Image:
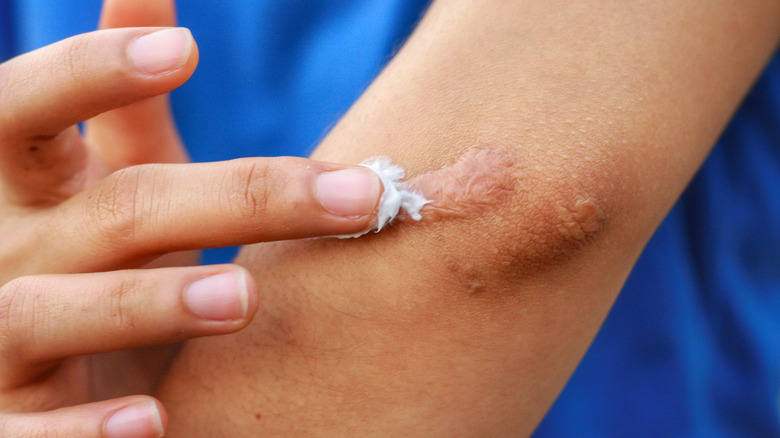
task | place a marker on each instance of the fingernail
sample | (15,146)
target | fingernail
(135,421)
(161,51)
(348,192)
(221,297)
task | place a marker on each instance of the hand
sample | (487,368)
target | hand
(70,205)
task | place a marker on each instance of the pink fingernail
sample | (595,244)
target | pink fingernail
(349,192)
(161,51)
(135,421)
(221,297)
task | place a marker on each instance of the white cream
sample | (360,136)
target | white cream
(394,196)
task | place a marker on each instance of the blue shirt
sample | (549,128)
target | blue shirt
(692,346)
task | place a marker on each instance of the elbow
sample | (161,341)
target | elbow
(500,215)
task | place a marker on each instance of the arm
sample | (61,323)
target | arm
(554,137)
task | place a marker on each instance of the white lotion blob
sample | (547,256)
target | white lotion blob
(395,196)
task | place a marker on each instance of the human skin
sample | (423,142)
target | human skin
(553,137)
(79,215)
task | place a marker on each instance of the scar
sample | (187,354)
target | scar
(480,179)
(579,221)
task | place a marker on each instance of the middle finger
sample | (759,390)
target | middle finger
(141,211)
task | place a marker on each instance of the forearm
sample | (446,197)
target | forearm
(553,138)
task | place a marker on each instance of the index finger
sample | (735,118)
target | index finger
(158,208)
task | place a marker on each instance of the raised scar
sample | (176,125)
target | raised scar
(479,180)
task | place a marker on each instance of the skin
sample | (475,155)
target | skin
(554,136)
(91,301)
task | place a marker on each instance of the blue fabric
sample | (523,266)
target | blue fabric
(692,346)
(7,40)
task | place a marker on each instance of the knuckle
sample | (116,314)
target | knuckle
(118,310)
(113,209)
(16,311)
(252,195)
(72,57)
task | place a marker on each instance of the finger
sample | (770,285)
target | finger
(132,13)
(153,209)
(129,417)
(89,74)
(50,317)
(45,92)
(142,132)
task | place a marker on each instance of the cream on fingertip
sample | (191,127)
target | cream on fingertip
(395,195)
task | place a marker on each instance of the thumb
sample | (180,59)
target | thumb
(143,132)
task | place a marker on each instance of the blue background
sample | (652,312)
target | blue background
(692,346)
